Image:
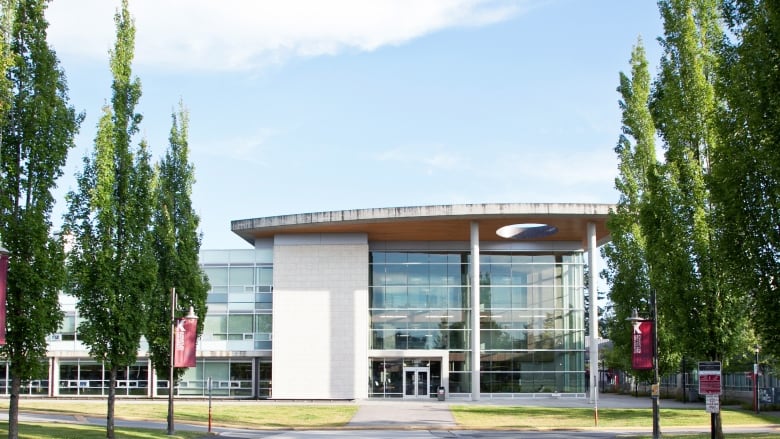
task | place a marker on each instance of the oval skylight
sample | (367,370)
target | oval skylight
(526,231)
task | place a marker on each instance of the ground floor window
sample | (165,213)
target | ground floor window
(264,378)
(35,387)
(228,377)
(88,378)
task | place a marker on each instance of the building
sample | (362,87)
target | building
(378,303)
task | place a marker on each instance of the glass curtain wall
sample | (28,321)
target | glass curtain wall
(240,304)
(532,323)
(531,318)
(229,378)
(90,378)
(37,387)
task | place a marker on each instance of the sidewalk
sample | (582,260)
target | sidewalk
(375,413)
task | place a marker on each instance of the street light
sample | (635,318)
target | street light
(655,391)
(755,383)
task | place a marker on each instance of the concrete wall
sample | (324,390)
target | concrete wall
(320,323)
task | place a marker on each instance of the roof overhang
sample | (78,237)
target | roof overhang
(436,223)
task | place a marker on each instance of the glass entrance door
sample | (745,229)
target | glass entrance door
(417,381)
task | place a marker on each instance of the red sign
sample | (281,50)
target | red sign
(3,281)
(642,345)
(184,342)
(709,378)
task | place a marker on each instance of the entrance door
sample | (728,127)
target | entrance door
(417,381)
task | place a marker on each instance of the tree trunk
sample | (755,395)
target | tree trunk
(111,400)
(718,427)
(13,408)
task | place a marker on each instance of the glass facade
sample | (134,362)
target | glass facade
(531,330)
(228,377)
(240,300)
(532,337)
(88,378)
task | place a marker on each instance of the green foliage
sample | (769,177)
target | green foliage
(627,270)
(112,267)
(36,133)
(671,233)
(176,245)
(695,298)
(746,166)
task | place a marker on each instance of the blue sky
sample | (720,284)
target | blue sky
(302,106)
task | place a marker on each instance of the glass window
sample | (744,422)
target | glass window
(240,323)
(395,274)
(417,274)
(217,275)
(265,276)
(263,323)
(215,324)
(241,276)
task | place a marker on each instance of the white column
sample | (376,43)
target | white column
(594,314)
(475,312)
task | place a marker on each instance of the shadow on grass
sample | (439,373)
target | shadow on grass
(76,431)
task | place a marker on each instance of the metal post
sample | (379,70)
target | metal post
(756,400)
(685,380)
(656,379)
(209,404)
(171,371)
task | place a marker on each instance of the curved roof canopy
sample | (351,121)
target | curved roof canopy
(439,223)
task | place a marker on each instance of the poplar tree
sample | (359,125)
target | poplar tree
(36,133)
(112,267)
(176,246)
(696,300)
(627,270)
(746,172)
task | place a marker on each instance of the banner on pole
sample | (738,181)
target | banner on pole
(184,343)
(3,282)
(642,345)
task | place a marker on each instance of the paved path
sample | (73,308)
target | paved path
(389,413)
(383,413)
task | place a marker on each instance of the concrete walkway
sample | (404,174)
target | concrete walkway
(402,414)
(434,414)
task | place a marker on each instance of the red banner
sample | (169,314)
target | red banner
(3,279)
(642,343)
(184,343)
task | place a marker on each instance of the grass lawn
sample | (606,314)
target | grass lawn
(224,413)
(68,431)
(477,417)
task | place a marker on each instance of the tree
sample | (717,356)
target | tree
(7,12)
(627,270)
(112,268)
(176,246)
(696,299)
(37,133)
(746,169)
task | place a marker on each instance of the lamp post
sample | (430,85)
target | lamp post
(171,372)
(655,391)
(755,383)
(4,254)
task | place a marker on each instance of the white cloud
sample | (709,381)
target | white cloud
(432,158)
(251,148)
(228,35)
(564,168)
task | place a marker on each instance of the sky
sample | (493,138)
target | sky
(302,106)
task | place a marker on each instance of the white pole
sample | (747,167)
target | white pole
(475,312)
(594,315)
